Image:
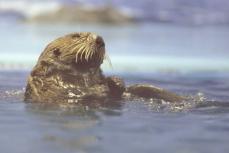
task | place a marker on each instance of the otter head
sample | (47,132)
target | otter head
(79,50)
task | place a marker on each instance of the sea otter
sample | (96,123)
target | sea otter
(68,70)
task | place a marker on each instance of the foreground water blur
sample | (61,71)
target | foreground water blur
(130,126)
(186,60)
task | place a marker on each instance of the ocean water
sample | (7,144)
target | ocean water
(156,47)
(190,61)
(195,12)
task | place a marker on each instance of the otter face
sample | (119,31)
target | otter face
(79,49)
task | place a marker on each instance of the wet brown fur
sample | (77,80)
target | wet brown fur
(68,70)
(69,67)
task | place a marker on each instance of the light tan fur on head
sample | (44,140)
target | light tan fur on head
(78,47)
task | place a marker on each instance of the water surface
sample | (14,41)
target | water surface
(187,60)
(130,126)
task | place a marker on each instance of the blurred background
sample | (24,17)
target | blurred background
(140,35)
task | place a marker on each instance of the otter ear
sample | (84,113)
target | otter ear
(75,35)
(56,52)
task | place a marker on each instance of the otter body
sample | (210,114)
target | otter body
(68,70)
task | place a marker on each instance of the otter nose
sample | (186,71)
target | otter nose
(99,41)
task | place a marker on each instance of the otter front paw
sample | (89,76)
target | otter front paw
(116,86)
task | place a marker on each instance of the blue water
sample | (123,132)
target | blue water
(156,47)
(190,61)
(130,126)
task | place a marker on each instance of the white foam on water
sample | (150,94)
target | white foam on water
(29,8)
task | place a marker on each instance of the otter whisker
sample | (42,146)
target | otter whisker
(76,46)
(80,46)
(90,45)
(107,58)
(82,53)
(87,52)
(75,43)
(79,52)
(76,58)
(73,49)
(77,55)
(91,53)
(84,48)
(70,46)
(101,56)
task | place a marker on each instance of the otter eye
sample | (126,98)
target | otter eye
(56,52)
(76,35)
